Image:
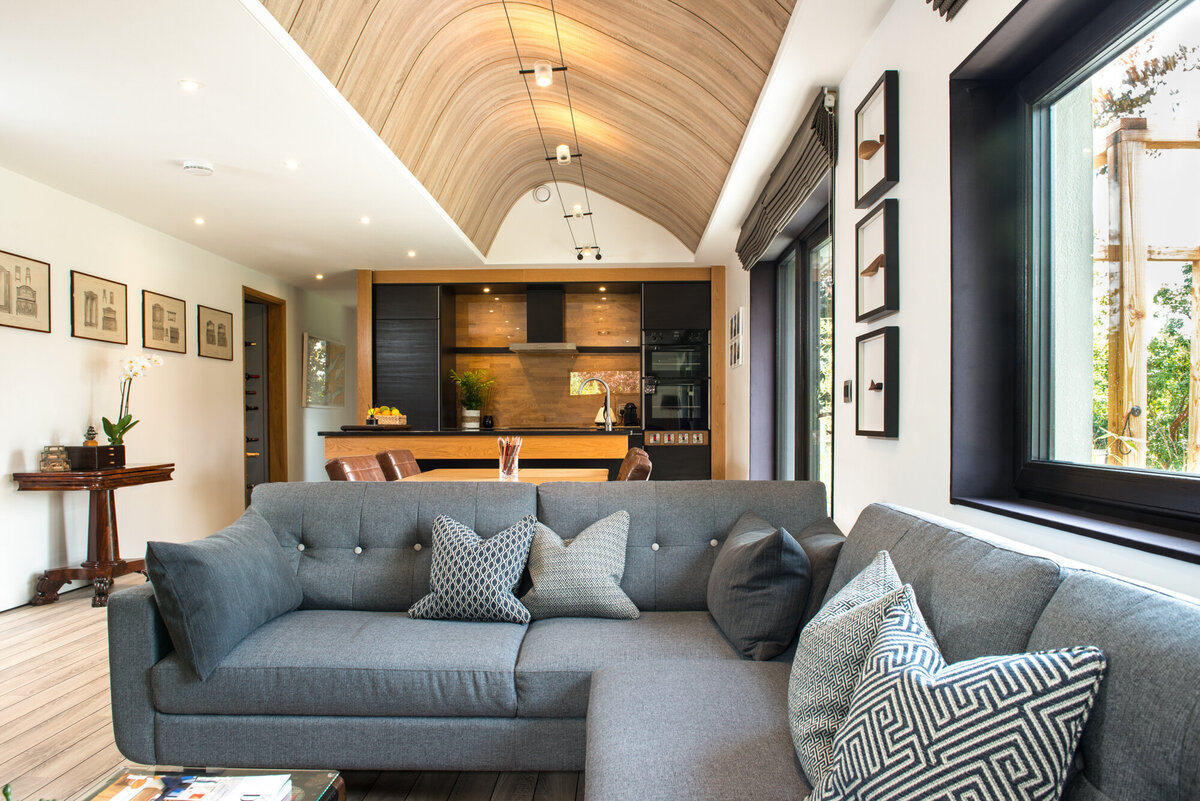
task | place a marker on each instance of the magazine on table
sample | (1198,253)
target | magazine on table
(191,787)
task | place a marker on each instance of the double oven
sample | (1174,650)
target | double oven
(675,380)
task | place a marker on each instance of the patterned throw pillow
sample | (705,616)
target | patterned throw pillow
(997,727)
(830,655)
(473,578)
(580,577)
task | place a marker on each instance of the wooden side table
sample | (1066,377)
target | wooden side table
(104,562)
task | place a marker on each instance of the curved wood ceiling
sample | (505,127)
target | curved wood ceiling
(662,91)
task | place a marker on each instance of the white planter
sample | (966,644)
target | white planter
(470,419)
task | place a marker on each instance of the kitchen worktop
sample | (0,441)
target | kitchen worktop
(521,431)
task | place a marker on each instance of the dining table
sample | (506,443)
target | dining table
(530,475)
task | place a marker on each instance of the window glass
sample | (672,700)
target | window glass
(1118,383)
(820,364)
(785,368)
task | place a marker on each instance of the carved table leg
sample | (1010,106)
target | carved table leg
(47,590)
(102,585)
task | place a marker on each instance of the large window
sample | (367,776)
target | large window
(1075,162)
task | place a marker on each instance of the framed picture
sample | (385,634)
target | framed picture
(877,274)
(163,323)
(877,413)
(876,141)
(214,333)
(99,309)
(324,372)
(24,293)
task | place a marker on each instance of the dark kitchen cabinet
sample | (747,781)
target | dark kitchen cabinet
(407,352)
(676,304)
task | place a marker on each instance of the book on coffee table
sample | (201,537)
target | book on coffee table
(132,784)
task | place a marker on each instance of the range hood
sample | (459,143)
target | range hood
(545,310)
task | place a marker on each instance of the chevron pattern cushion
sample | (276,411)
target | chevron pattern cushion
(829,658)
(580,577)
(473,578)
(996,727)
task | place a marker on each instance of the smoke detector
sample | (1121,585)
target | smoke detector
(541,193)
(195,167)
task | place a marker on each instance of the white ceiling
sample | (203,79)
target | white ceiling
(90,104)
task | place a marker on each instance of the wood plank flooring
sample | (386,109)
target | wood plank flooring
(56,737)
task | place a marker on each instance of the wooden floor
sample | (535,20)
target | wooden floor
(56,737)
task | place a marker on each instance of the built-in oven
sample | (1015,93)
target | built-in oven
(674,405)
(676,355)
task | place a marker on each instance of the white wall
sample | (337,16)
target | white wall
(190,408)
(737,379)
(915,469)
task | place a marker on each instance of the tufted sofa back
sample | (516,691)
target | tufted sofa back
(366,545)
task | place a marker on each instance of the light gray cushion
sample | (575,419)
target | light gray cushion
(559,655)
(473,578)
(702,731)
(353,663)
(830,656)
(580,577)
(996,727)
(213,592)
(758,587)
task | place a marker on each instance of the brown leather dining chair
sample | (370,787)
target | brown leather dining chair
(354,468)
(636,466)
(397,464)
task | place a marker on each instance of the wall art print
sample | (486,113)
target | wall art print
(214,333)
(24,293)
(99,309)
(163,323)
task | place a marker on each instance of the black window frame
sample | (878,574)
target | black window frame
(996,120)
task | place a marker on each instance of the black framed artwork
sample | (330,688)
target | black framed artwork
(877,141)
(99,309)
(877,262)
(214,333)
(24,293)
(163,324)
(877,411)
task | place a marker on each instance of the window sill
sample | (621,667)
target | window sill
(1153,539)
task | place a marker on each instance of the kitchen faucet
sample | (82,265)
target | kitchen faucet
(607,399)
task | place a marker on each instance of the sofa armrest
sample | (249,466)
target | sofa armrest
(137,641)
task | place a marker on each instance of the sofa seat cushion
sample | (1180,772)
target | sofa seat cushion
(698,730)
(560,654)
(341,662)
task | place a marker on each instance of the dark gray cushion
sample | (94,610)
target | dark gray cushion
(996,727)
(353,663)
(213,592)
(703,731)
(822,542)
(758,587)
(559,655)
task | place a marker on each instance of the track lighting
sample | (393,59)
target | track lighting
(543,73)
(563,154)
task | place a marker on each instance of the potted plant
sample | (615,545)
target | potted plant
(473,386)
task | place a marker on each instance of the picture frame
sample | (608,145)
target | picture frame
(876,141)
(214,333)
(164,322)
(877,262)
(324,372)
(877,372)
(99,309)
(24,293)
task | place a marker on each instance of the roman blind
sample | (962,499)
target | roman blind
(805,162)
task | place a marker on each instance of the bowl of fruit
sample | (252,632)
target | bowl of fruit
(385,416)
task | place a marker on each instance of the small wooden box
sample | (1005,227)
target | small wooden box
(95,457)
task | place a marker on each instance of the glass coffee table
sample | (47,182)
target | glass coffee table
(145,784)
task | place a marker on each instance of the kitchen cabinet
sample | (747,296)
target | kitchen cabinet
(676,304)
(407,352)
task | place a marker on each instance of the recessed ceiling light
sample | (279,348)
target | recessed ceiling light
(601,289)
(412,253)
(319,276)
(292,164)
(603,298)
(198,167)
(487,289)
(189,85)
(199,221)
(364,220)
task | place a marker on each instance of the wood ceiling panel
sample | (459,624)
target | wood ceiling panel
(662,93)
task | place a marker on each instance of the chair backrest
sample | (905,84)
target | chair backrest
(397,464)
(636,466)
(354,468)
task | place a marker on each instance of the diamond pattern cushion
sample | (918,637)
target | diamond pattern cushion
(472,578)
(829,658)
(580,577)
(996,727)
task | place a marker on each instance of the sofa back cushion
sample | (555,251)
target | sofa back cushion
(1143,738)
(673,525)
(979,596)
(367,545)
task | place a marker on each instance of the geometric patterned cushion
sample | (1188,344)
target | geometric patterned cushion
(829,659)
(580,577)
(996,727)
(472,578)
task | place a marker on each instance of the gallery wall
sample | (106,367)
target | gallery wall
(190,409)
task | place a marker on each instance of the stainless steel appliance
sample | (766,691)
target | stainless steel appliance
(675,380)
(676,354)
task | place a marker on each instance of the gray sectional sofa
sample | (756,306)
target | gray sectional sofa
(660,707)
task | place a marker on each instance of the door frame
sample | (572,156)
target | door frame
(277,428)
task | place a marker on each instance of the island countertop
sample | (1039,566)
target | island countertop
(373,431)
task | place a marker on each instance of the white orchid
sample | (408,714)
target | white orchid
(132,368)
